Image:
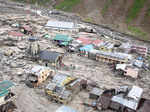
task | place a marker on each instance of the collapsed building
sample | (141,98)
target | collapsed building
(63,87)
(38,74)
(127,70)
(6,95)
(124,99)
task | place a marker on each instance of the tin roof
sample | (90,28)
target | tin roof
(60,24)
(62,79)
(132,104)
(135,93)
(65,109)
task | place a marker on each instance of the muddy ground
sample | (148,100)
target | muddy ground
(15,67)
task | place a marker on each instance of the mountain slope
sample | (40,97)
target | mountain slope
(131,16)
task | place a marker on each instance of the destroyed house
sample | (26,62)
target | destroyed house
(109,57)
(58,93)
(50,58)
(124,99)
(5,91)
(65,109)
(62,79)
(39,74)
(128,70)
(62,40)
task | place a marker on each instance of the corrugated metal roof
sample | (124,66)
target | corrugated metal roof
(117,55)
(132,104)
(60,24)
(135,93)
(65,109)
(61,79)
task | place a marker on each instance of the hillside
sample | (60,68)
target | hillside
(128,16)
(131,16)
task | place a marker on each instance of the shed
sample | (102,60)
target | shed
(65,109)
(51,58)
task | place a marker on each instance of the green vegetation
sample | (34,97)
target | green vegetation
(148,12)
(67,5)
(107,4)
(135,9)
(88,19)
(138,32)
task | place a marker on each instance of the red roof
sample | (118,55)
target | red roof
(97,42)
(85,40)
(16,34)
(26,27)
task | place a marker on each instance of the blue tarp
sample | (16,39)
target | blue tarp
(65,109)
(4,86)
(87,48)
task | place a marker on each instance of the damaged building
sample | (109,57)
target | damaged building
(38,74)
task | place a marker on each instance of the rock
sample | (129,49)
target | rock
(13,65)
(9,52)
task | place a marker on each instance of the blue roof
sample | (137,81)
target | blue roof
(4,86)
(65,109)
(87,48)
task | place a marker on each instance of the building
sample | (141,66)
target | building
(128,70)
(14,35)
(50,58)
(38,74)
(62,40)
(124,99)
(109,57)
(142,50)
(61,25)
(6,93)
(65,109)
(85,49)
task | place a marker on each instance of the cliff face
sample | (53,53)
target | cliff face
(132,16)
